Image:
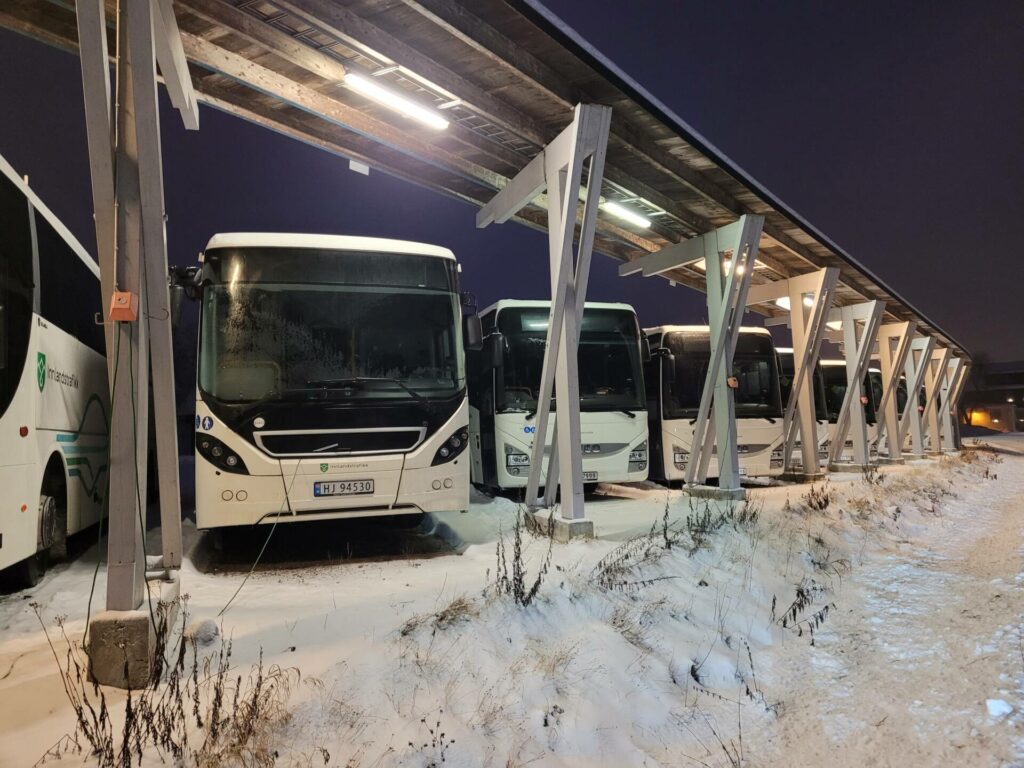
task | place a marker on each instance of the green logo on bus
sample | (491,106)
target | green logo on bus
(323,467)
(41,370)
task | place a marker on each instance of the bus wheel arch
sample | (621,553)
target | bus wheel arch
(53,509)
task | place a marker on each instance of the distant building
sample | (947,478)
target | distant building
(994,397)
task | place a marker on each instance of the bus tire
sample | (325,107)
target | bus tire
(53,511)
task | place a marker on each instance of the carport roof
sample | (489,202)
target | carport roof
(506,74)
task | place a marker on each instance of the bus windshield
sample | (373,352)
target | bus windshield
(610,372)
(754,366)
(287,324)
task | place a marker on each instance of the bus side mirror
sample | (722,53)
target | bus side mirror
(183,282)
(495,350)
(474,333)
(645,348)
(177,296)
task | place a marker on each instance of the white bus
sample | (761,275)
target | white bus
(331,380)
(787,370)
(680,355)
(54,398)
(504,384)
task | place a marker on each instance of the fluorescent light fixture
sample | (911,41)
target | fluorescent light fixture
(624,213)
(392,100)
(785,303)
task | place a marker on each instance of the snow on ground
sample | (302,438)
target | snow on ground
(682,656)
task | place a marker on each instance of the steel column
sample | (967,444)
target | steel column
(559,167)
(934,380)
(126,561)
(807,326)
(954,371)
(910,422)
(857,351)
(894,341)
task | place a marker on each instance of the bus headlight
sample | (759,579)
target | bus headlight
(451,447)
(638,458)
(218,454)
(680,457)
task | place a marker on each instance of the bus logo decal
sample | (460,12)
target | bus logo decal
(207,423)
(323,467)
(529,430)
(41,370)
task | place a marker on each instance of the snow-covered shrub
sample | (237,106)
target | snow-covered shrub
(196,709)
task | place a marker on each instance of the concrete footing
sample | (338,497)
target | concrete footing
(850,467)
(565,530)
(122,644)
(121,648)
(887,461)
(913,456)
(714,492)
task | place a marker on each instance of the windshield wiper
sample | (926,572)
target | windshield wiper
(358,381)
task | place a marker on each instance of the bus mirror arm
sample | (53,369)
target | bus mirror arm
(645,348)
(183,282)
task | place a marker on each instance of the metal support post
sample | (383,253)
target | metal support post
(894,341)
(954,372)
(559,168)
(158,317)
(126,561)
(954,402)
(810,297)
(127,184)
(934,381)
(728,281)
(910,422)
(857,350)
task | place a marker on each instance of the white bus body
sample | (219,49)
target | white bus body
(331,380)
(505,377)
(675,380)
(54,398)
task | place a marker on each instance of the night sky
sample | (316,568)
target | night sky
(896,128)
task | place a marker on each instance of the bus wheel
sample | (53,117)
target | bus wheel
(53,511)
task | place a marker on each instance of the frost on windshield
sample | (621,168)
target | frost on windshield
(261,340)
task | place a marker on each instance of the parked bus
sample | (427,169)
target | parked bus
(504,384)
(331,380)
(54,397)
(834,372)
(675,379)
(787,370)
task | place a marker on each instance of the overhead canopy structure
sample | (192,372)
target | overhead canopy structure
(505,75)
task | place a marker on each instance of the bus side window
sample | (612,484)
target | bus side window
(69,292)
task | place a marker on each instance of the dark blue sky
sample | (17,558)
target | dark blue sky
(893,127)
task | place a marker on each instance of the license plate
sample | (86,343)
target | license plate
(743,471)
(342,488)
(590,477)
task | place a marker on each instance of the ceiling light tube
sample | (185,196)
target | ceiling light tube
(392,100)
(624,213)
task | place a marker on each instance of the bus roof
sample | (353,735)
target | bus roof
(701,329)
(325,243)
(541,304)
(57,224)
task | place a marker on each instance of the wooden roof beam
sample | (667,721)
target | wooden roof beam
(340,22)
